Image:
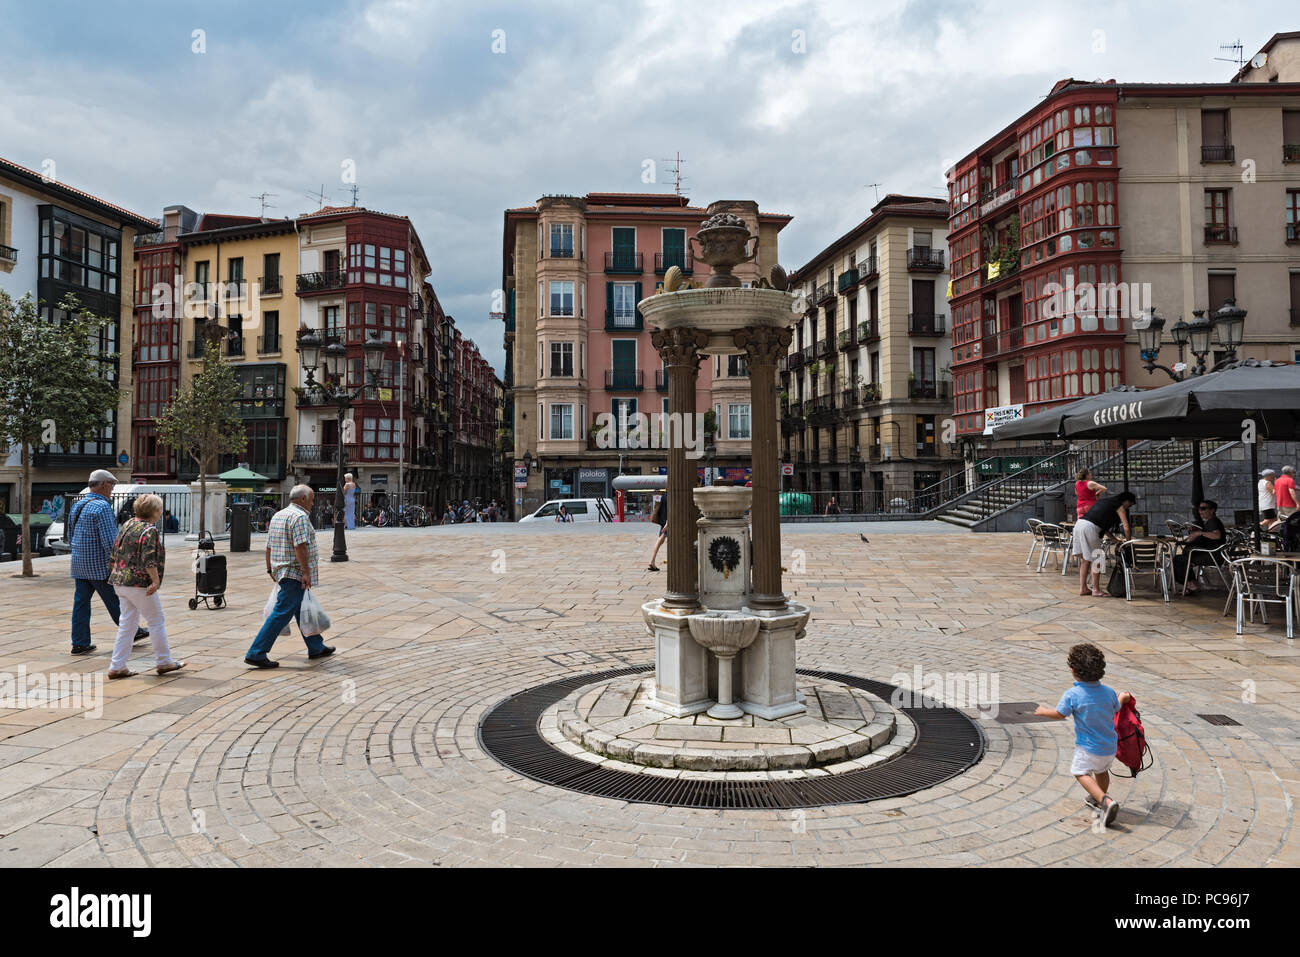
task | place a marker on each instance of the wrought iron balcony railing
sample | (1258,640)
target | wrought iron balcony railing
(619,322)
(322,281)
(661,381)
(925,323)
(867,331)
(824,292)
(267,344)
(1219,233)
(869,268)
(1291,152)
(235,346)
(624,380)
(927,389)
(845,339)
(682,260)
(621,262)
(270,286)
(923,257)
(10,254)
(1220,153)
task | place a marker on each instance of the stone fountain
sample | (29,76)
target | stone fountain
(724,632)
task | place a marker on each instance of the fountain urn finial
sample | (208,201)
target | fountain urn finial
(723,241)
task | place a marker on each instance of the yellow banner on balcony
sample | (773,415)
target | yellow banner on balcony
(995,270)
(385,395)
(949,288)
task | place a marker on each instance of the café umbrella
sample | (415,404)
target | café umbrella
(1050,423)
(1248,401)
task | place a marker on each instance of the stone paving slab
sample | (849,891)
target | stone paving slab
(370,758)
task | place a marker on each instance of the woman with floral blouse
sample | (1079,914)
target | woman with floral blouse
(136,572)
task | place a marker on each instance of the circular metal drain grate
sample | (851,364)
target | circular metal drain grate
(947,743)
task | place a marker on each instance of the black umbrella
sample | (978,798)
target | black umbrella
(1050,424)
(1247,401)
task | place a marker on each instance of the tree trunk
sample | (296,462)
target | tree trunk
(26,533)
(203,497)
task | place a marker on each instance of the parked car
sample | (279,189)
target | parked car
(579,509)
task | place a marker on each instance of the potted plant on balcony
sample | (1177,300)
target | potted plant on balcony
(710,424)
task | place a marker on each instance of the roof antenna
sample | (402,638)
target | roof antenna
(675,167)
(319,196)
(265,204)
(354,189)
(876,187)
(1239,59)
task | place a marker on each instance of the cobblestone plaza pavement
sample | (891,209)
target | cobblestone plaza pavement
(371,757)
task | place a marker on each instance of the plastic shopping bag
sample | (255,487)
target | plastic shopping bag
(311,616)
(270,607)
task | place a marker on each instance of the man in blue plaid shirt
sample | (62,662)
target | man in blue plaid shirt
(93,530)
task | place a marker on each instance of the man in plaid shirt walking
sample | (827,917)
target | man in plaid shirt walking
(93,529)
(291,560)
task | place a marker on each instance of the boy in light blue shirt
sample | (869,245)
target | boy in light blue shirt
(1094,706)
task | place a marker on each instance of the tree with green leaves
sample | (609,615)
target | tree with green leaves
(53,385)
(203,421)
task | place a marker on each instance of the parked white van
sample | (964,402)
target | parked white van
(579,509)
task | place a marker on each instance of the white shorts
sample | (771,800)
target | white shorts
(1085,762)
(1086,543)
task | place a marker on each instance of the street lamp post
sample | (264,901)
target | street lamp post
(1227,327)
(333,390)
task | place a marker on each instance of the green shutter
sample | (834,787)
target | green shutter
(609,301)
(638,299)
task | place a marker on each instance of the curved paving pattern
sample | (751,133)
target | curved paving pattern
(371,757)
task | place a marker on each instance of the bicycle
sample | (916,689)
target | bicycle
(414,516)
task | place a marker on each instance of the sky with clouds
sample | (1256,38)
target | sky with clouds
(798,105)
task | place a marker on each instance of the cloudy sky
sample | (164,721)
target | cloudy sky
(454,111)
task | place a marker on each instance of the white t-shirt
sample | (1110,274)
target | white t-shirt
(1266,497)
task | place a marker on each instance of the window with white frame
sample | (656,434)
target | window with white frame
(562,240)
(738,421)
(561,298)
(625,304)
(562,359)
(561,420)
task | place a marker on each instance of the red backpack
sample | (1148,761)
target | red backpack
(1132,750)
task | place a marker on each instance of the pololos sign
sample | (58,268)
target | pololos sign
(1122,412)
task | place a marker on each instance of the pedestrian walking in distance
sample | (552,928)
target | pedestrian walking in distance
(660,517)
(292,561)
(137,573)
(91,532)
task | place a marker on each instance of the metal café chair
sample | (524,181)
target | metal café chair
(1055,540)
(1141,556)
(1034,524)
(1181,529)
(1262,582)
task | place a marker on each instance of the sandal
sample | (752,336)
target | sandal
(652,568)
(128,673)
(168,669)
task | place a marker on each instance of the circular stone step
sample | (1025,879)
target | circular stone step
(844,729)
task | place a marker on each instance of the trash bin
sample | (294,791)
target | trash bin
(241,526)
(1054,507)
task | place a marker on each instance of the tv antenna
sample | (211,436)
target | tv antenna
(675,167)
(353,189)
(319,196)
(265,205)
(876,187)
(1239,59)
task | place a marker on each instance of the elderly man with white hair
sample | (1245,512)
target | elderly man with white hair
(91,530)
(291,560)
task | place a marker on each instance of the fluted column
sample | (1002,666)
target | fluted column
(763,346)
(680,350)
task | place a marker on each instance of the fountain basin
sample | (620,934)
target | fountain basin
(719,312)
(725,634)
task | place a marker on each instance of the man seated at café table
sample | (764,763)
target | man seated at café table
(1210,536)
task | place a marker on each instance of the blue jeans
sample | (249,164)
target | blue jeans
(287,605)
(81,608)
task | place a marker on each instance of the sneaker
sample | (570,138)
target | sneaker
(1111,812)
(83,650)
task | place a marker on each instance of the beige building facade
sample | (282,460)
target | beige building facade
(865,388)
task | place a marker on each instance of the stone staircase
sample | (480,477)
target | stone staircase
(1004,505)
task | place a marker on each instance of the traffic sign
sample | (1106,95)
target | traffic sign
(787,468)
